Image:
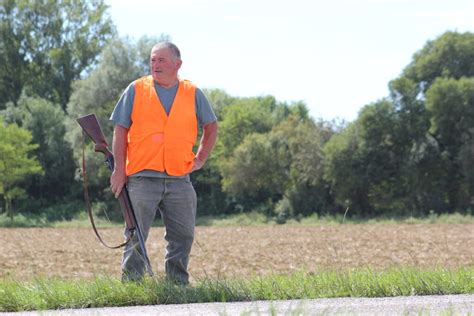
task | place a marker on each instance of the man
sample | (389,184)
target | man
(156,125)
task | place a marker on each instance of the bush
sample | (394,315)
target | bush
(65,211)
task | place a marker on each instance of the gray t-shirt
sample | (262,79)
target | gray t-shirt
(123,111)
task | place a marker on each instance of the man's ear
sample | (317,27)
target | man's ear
(179,62)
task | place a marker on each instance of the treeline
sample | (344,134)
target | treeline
(410,153)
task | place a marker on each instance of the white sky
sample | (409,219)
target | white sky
(335,55)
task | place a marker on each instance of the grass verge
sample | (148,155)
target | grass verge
(244,219)
(41,294)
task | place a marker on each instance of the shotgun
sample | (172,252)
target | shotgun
(91,127)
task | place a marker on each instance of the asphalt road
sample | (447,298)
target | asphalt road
(406,305)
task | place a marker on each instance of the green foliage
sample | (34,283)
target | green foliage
(451,105)
(46,45)
(436,88)
(302,141)
(243,117)
(238,118)
(15,163)
(411,153)
(251,169)
(376,167)
(285,163)
(53,216)
(46,122)
(345,169)
(450,55)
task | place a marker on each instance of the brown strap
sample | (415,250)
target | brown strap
(88,203)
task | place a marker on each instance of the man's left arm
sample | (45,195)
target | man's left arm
(208,140)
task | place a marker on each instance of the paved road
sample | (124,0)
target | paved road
(411,305)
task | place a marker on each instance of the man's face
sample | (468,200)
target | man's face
(164,66)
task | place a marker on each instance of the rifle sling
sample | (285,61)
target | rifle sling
(88,203)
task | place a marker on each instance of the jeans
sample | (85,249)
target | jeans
(176,200)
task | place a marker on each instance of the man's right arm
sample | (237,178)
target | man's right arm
(119,148)
(121,116)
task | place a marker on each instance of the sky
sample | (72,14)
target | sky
(334,55)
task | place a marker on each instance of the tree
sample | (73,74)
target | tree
(238,117)
(449,55)
(15,163)
(345,170)
(243,117)
(46,122)
(386,162)
(254,171)
(46,45)
(13,59)
(451,105)
(283,164)
(301,140)
(434,118)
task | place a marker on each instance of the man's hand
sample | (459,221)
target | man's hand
(119,144)
(208,140)
(117,182)
(198,164)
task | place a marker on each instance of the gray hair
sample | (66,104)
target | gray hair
(172,47)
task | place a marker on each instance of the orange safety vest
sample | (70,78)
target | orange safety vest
(157,141)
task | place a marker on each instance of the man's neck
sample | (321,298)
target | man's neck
(168,85)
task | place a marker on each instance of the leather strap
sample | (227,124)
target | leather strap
(88,202)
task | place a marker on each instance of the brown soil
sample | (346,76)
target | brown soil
(242,251)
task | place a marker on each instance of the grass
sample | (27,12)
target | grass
(79,221)
(243,219)
(43,294)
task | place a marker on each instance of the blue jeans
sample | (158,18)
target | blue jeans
(175,199)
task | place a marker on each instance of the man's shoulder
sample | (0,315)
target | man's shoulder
(142,80)
(188,84)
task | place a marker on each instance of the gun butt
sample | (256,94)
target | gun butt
(90,125)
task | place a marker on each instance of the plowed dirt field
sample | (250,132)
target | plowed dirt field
(242,251)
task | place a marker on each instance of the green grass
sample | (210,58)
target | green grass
(79,221)
(242,219)
(455,218)
(43,294)
(257,219)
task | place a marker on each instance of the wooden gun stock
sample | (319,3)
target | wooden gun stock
(91,127)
